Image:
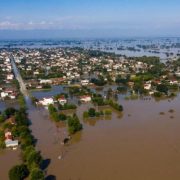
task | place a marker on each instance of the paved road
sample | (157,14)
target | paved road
(17,74)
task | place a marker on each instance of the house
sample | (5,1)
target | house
(8,135)
(85,98)
(9,142)
(46,101)
(45,81)
(13,96)
(147,86)
(177,74)
(4,94)
(173,82)
(84,82)
(62,100)
(10,77)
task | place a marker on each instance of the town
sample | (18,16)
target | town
(44,68)
(90,81)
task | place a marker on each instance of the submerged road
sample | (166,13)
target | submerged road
(17,74)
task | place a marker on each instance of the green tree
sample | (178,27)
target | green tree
(92,112)
(9,112)
(162,88)
(18,172)
(2,118)
(37,174)
(74,124)
(34,159)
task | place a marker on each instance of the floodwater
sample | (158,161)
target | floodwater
(7,104)
(140,144)
(8,159)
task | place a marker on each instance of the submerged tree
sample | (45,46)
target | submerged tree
(74,124)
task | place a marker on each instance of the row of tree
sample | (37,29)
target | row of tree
(32,160)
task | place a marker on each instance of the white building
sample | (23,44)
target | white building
(11,143)
(85,99)
(45,81)
(46,101)
(84,82)
(4,94)
(147,86)
(10,77)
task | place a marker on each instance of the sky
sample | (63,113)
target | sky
(88,18)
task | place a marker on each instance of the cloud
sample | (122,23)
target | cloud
(86,23)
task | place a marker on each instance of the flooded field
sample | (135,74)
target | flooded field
(141,144)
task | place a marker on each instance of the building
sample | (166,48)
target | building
(84,82)
(62,100)
(147,86)
(85,98)
(46,101)
(9,142)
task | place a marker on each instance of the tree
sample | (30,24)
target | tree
(162,88)
(37,174)
(109,93)
(92,112)
(18,172)
(62,117)
(52,109)
(34,159)
(9,112)
(27,151)
(2,118)
(74,124)
(122,80)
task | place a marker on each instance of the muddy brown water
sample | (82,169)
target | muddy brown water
(141,144)
(8,159)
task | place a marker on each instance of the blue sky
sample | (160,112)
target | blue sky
(91,17)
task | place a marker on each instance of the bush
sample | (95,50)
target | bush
(62,117)
(52,109)
(66,106)
(107,112)
(157,94)
(115,105)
